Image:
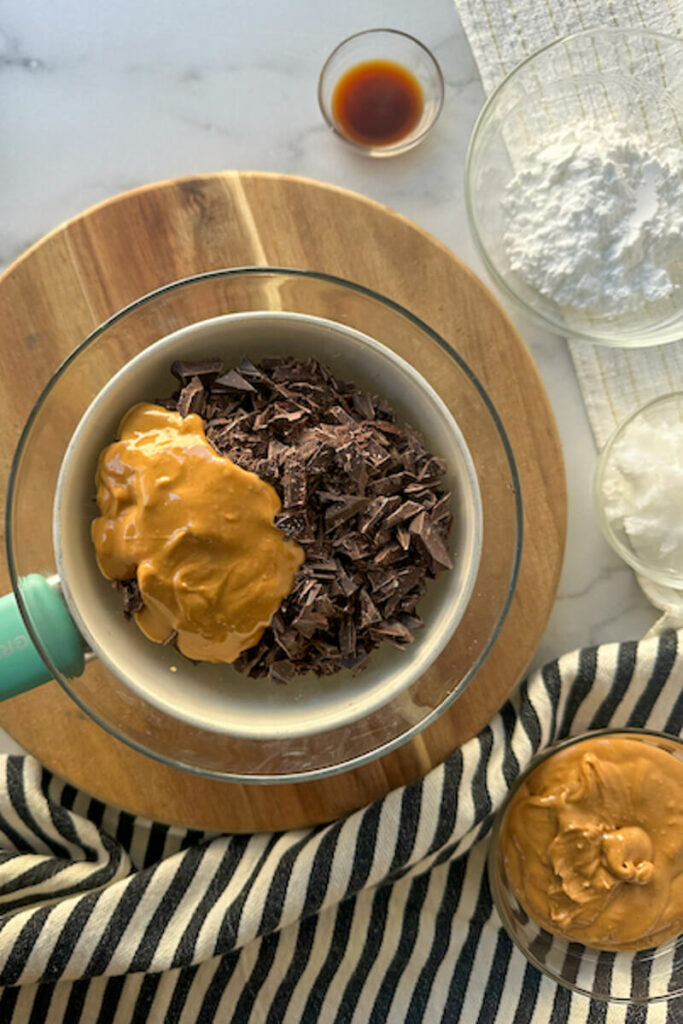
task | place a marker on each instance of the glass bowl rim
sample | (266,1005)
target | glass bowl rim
(646,338)
(405,144)
(638,733)
(464,367)
(674,580)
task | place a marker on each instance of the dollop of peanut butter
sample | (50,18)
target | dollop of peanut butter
(592,843)
(197,530)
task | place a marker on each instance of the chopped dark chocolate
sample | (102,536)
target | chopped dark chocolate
(403,537)
(359,492)
(207,369)
(347,637)
(373,514)
(247,369)
(233,381)
(294,485)
(132,598)
(395,632)
(393,484)
(309,622)
(192,398)
(441,510)
(406,510)
(362,403)
(346,508)
(428,536)
(281,671)
(368,610)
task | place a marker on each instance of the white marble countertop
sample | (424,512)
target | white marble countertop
(99,98)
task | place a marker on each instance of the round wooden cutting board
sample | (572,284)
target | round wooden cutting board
(76,277)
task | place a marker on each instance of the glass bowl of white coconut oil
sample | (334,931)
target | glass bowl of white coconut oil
(639,491)
(574,186)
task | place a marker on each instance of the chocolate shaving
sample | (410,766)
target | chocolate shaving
(233,381)
(369,612)
(206,369)
(294,485)
(362,403)
(132,598)
(192,398)
(406,510)
(347,508)
(403,537)
(359,492)
(281,671)
(347,637)
(429,538)
(395,632)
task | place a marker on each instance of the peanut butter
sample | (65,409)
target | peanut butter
(197,530)
(593,843)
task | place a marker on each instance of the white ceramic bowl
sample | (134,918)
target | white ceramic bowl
(216,698)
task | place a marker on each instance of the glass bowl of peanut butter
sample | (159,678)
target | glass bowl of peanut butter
(586,865)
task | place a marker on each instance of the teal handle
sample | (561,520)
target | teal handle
(21,666)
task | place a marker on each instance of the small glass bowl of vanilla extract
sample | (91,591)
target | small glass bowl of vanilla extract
(381,91)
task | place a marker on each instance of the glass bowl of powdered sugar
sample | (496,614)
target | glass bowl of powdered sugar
(639,491)
(574,186)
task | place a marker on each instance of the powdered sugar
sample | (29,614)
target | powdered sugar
(595,222)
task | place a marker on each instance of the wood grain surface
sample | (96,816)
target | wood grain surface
(84,271)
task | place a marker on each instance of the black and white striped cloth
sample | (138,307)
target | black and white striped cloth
(383,916)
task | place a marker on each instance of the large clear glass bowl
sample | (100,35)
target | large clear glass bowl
(91,366)
(626,977)
(624,80)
